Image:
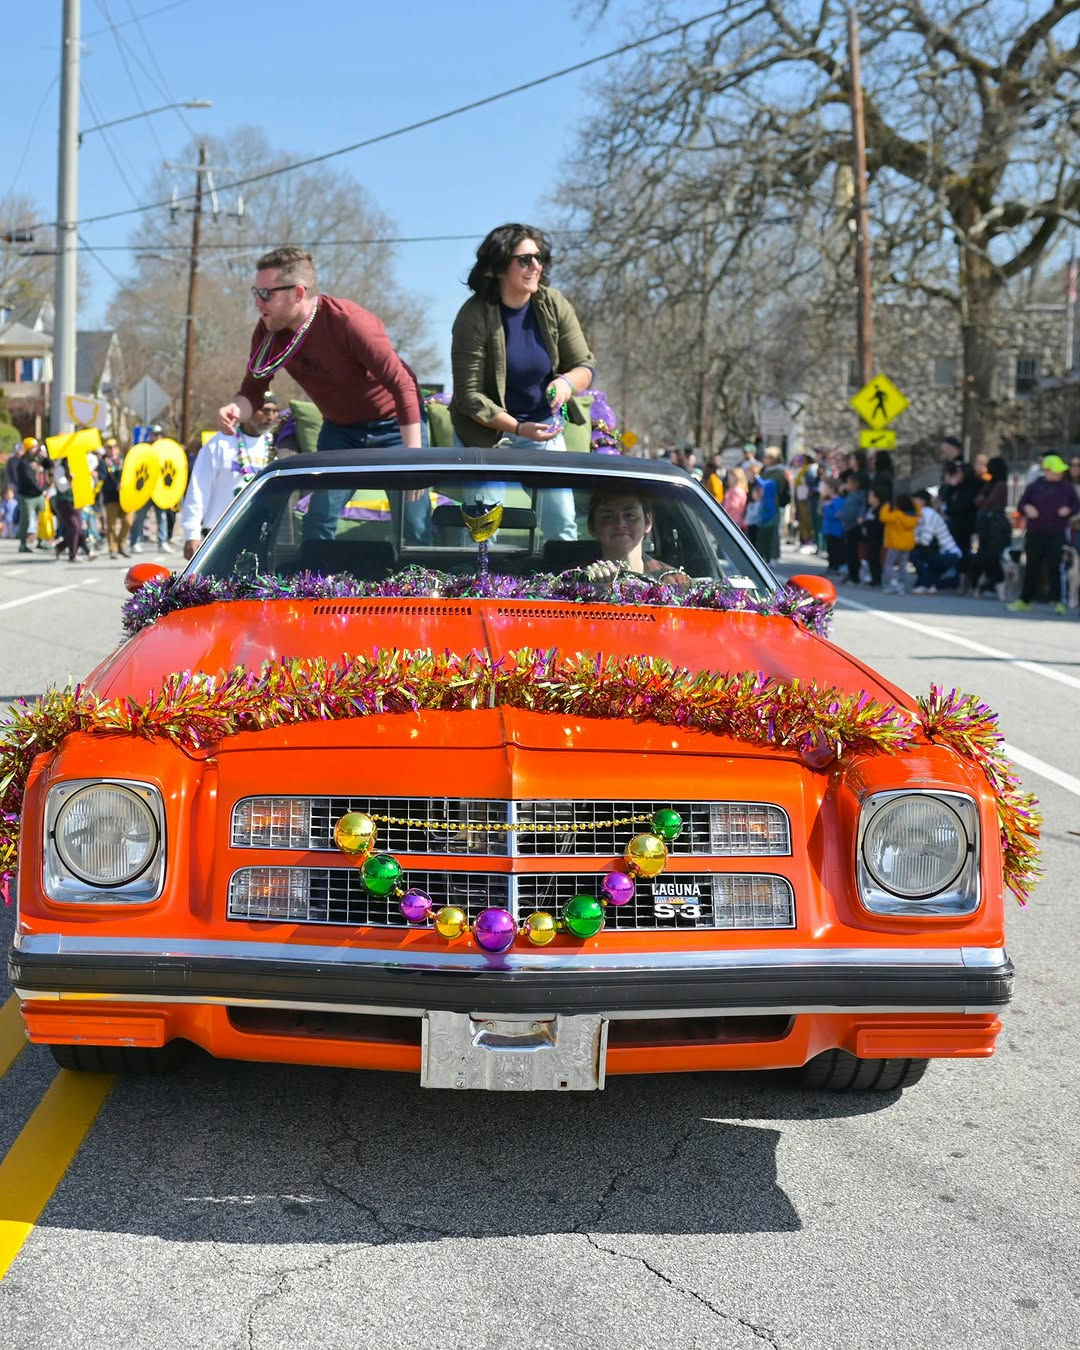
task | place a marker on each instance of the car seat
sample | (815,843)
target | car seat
(365,559)
(562,554)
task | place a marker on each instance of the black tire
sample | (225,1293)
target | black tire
(119,1058)
(837,1071)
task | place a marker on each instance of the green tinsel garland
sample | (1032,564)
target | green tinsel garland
(194,710)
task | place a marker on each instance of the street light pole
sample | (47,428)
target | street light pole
(864,313)
(65,296)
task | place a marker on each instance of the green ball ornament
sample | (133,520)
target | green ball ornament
(584,916)
(667,823)
(381,873)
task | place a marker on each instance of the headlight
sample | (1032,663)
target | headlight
(917,853)
(104,842)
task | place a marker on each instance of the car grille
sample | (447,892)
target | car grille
(711,829)
(336,895)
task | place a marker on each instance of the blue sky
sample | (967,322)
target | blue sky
(316,77)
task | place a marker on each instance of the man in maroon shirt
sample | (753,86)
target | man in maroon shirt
(341,356)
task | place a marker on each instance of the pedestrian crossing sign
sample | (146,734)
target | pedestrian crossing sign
(878,402)
(876,440)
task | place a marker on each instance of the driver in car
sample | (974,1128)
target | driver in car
(620,522)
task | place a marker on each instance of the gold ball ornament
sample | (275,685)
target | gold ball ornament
(355,833)
(541,928)
(451,922)
(646,855)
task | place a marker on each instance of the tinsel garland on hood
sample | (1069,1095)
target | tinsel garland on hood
(197,710)
(157,598)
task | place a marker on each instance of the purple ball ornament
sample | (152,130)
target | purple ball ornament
(416,905)
(618,888)
(495,929)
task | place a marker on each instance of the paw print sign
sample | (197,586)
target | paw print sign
(141,471)
(76,447)
(168,491)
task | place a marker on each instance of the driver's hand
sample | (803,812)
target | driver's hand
(604,570)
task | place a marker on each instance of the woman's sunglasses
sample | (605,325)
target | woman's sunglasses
(525,260)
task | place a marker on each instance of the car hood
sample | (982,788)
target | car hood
(219,637)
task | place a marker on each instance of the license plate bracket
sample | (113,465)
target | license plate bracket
(550,1053)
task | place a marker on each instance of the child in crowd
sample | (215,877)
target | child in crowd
(873,534)
(832,528)
(9,514)
(899,521)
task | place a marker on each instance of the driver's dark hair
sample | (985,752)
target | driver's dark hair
(606,494)
(494,256)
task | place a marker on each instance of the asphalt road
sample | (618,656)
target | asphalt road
(239,1205)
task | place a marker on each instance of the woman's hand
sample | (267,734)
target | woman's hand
(559,392)
(538,431)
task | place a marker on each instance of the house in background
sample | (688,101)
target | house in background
(26,367)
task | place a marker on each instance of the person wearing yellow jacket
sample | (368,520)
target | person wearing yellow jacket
(899,520)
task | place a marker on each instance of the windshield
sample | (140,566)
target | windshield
(371,524)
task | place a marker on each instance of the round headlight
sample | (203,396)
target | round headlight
(915,846)
(106,835)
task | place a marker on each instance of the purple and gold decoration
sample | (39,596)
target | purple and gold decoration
(157,598)
(646,855)
(482,522)
(617,888)
(540,928)
(195,711)
(494,930)
(451,922)
(417,905)
(355,833)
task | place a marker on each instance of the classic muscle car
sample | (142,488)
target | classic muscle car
(423,766)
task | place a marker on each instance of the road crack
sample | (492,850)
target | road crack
(762,1333)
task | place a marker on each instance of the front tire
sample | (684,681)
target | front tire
(119,1058)
(837,1071)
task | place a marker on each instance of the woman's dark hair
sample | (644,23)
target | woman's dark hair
(905,503)
(495,254)
(883,463)
(998,469)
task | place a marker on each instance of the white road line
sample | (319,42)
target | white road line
(1040,766)
(1034,667)
(15,571)
(51,590)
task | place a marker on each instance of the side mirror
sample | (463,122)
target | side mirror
(821,588)
(141,573)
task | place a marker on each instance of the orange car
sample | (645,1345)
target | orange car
(513,770)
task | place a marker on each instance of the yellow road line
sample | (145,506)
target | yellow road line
(12,1034)
(43,1152)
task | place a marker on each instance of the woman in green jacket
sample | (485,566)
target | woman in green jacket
(518,355)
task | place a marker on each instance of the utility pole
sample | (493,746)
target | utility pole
(201,170)
(65,298)
(192,294)
(864,322)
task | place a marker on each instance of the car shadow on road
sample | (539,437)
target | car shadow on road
(243,1153)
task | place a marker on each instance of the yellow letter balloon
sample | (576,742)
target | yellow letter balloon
(75,447)
(142,468)
(168,491)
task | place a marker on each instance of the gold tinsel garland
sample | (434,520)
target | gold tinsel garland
(821,723)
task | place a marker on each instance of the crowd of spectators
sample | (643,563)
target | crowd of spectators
(962,535)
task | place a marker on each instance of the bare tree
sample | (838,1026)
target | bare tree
(973,134)
(26,265)
(317,208)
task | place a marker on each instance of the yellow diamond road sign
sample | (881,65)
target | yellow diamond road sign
(877,440)
(878,402)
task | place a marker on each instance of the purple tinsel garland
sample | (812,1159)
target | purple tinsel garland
(158,598)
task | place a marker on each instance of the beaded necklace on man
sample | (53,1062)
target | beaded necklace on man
(260,367)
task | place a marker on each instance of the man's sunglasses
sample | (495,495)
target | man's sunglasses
(524,260)
(265,292)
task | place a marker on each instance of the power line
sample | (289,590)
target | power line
(162,82)
(30,135)
(100,261)
(417,126)
(252,245)
(120,48)
(105,136)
